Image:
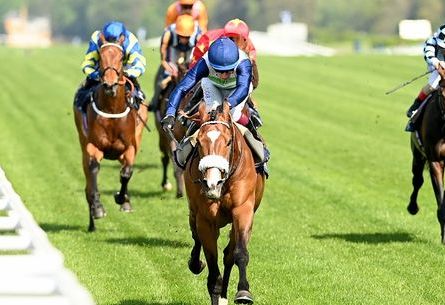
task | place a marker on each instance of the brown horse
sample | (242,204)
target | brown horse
(428,146)
(166,146)
(222,187)
(111,130)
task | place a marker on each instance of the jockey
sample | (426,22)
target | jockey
(433,50)
(134,61)
(195,8)
(238,31)
(178,38)
(225,73)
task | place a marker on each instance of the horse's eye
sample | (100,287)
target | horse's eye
(229,142)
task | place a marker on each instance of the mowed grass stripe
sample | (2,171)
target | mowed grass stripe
(332,227)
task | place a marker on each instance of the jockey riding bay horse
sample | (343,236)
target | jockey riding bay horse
(112,129)
(222,187)
(428,146)
(165,145)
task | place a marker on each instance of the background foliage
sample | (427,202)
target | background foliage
(379,17)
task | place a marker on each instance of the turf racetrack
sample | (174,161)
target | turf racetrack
(332,227)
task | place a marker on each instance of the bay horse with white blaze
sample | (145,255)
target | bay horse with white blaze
(428,146)
(112,129)
(222,187)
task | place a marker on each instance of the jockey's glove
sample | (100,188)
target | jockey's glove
(168,122)
(95,75)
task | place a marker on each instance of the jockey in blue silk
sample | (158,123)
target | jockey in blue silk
(225,73)
(134,61)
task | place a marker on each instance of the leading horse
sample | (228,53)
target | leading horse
(112,129)
(428,146)
(222,187)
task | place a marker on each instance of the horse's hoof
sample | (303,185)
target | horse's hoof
(99,213)
(243,297)
(222,301)
(196,268)
(179,195)
(413,209)
(167,186)
(126,207)
(121,199)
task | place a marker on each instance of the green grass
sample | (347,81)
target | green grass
(332,227)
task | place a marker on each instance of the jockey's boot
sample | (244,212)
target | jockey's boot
(416,104)
(83,95)
(254,131)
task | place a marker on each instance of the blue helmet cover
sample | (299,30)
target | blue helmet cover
(223,54)
(113,30)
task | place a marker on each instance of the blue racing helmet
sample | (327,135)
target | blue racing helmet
(223,54)
(113,30)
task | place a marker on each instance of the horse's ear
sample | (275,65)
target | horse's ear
(102,39)
(121,40)
(226,107)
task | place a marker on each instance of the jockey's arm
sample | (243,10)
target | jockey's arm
(165,40)
(199,71)
(90,64)
(171,14)
(243,79)
(135,60)
(203,18)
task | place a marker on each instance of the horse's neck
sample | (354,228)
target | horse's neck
(112,104)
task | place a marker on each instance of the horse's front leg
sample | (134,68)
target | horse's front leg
(229,261)
(418,164)
(122,198)
(242,226)
(91,167)
(208,234)
(436,171)
(195,264)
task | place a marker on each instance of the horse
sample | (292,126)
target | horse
(112,129)
(166,146)
(222,187)
(428,147)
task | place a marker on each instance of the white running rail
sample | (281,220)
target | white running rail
(33,272)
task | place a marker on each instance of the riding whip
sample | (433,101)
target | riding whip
(407,82)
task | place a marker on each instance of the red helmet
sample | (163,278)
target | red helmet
(236,27)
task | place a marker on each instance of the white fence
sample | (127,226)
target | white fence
(33,272)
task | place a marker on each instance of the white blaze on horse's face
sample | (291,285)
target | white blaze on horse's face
(213,135)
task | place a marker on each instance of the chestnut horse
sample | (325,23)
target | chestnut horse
(428,146)
(166,146)
(112,130)
(222,187)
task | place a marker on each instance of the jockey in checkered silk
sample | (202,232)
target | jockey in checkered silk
(433,50)
(195,8)
(134,60)
(178,38)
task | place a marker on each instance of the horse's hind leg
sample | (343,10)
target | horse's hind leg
(418,165)
(166,185)
(122,198)
(436,171)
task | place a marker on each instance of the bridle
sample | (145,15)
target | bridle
(121,82)
(231,167)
